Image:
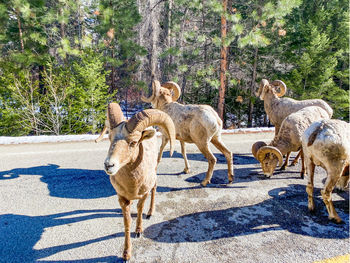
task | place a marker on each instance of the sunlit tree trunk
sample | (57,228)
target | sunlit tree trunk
(223,64)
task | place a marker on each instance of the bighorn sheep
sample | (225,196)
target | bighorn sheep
(327,143)
(288,139)
(198,124)
(277,108)
(132,161)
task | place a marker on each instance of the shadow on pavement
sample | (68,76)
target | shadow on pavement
(20,233)
(285,210)
(67,183)
(237,158)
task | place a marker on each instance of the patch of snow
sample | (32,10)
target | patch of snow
(5,140)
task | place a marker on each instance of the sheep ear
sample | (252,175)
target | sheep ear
(147,134)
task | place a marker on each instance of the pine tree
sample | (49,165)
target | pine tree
(319,51)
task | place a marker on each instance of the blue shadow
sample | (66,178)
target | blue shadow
(286,210)
(67,183)
(20,233)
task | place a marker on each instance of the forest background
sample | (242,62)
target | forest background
(63,61)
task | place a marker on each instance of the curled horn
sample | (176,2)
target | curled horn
(155,89)
(263,83)
(256,146)
(115,114)
(151,117)
(174,87)
(281,85)
(269,149)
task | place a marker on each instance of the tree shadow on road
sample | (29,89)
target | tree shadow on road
(237,158)
(20,233)
(67,183)
(286,210)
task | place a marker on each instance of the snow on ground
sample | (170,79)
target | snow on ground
(87,137)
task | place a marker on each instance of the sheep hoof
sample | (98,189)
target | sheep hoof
(337,221)
(312,210)
(283,167)
(302,175)
(138,234)
(148,216)
(186,171)
(204,183)
(126,255)
(293,164)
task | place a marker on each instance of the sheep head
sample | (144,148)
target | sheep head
(163,94)
(268,156)
(127,136)
(265,87)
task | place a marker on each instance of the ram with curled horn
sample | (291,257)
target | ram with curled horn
(198,124)
(288,139)
(278,108)
(131,161)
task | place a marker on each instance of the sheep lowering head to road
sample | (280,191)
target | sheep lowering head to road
(288,139)
(277,108)
(132,161)
(327,143)
(198,124)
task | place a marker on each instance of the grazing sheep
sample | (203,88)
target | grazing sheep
(198,124)
(277,108)
(132,161)
(326,143)
(288,139)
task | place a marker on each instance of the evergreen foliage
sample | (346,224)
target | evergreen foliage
(62,61)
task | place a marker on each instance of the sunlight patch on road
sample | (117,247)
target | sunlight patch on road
(339,259)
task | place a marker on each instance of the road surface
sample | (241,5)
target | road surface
(57,205)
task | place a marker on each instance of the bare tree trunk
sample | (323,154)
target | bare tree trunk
(113,75)
(170,2)
(252,87)
(223,64)
(20,29)
(62,25)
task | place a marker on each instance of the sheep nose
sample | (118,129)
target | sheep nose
(107,166)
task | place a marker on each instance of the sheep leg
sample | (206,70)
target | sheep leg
(302,172)
(228,155)
(162,146)
(310,169)
(102,134)
(125,205)
(333,177)
(211,162)
(296,159)
(140,205)
(151,208)
(283,167)
(343,182)
(184,155)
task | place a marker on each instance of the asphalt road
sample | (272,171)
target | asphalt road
(57,205)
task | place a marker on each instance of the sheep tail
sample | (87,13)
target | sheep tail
(314,134)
